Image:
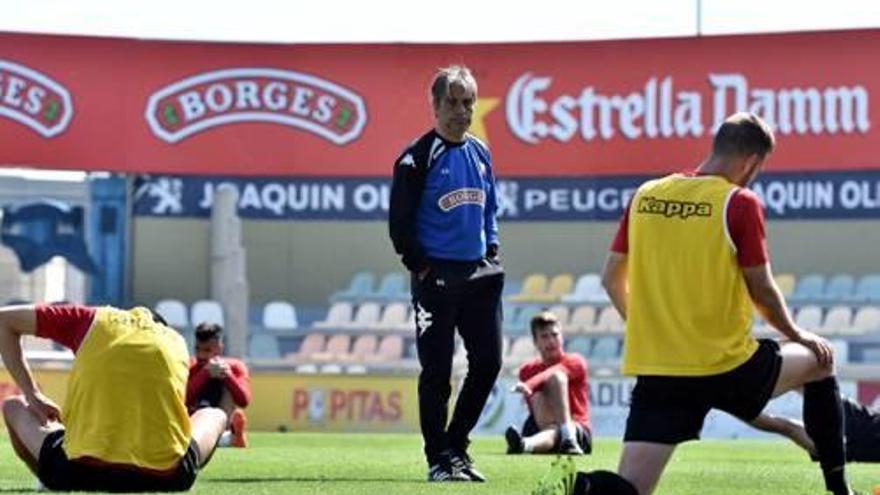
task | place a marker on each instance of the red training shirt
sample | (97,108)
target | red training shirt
(536,372)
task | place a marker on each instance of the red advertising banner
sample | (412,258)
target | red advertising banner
(546,109)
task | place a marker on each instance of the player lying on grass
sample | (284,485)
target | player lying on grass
(124,426)
(861,423)
(555,387)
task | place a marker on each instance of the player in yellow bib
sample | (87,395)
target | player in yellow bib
(124,426)
(687,270)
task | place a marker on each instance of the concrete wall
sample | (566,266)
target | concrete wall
(304,262)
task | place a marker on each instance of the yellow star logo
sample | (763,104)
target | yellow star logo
(481,110)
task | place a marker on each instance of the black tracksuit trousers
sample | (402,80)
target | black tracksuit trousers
(464,296)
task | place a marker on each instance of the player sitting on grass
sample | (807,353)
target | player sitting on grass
(555,388)
(124,426)
(862,426)
(218,381)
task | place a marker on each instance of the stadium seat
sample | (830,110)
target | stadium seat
(605,349)
(363,347)
(866,320)
(390,350)
(840,288)
(366,317)
(312,344)
(206,311)
(868,289)
(809,318)
(579,345)
(337,349)
(534,286)
(523,319)
(263,346)
(562,313)
(837,320)
(509,318)
(338,316)
(360,287)
(279,316)
(522,349)
(511,286)
(174,312)
(609,321)
(557,287)
(586,285)
(583,319)
(786,283)
(392,288)
(809,289)
(394,317)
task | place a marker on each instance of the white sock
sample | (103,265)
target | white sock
(567,431)
(528,445)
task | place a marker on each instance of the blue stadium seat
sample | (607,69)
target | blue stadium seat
(840,288)
(868,289)
(605,349)
(520,325)
(264,346)
(360,287)
(392,288)
(579,345)
(809,289)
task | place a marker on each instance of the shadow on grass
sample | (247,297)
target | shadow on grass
(308,479)
(18,490)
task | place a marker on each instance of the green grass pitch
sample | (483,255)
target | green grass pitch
(337,464)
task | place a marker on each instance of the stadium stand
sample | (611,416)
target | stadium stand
(533,288)
(366,317)
(557,287)
(786,283)
(809,317)
(394,317)
(338,316)
(866,320)
(359,289)
(336,350)
(809,289)
(583,319)
(609,321)
(263,346)
(839,288)
(206,310)
(390,350)
(312,344)
(837,321)
(174,312)
(279,316)
(392,288)
(868,289)
(363,347)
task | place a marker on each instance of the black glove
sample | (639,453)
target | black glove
(492,253)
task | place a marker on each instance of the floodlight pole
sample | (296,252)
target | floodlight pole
(699,17)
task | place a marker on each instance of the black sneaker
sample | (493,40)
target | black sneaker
(443,471)
(569,447)
(465,465)
(515,444)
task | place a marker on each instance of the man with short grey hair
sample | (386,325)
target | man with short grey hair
(442,223)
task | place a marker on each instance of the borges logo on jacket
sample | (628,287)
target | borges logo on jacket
(34,99)
(284,97)
(462,197)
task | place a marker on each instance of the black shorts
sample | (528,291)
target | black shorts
(57,472)
(671,409)
(582,435)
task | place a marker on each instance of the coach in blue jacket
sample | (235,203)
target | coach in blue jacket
(442,223)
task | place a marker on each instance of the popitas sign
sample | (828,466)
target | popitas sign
(230,96)
(34,99)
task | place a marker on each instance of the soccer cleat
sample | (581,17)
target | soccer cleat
(559,479)
(443,471)
(238,426)
(569,447)
(515,444)
(464,464)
